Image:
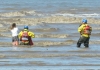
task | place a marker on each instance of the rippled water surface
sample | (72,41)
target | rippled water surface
(52,57)
(42,8)
(55,24)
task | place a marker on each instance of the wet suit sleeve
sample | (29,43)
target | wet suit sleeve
(80,29)
(31,34)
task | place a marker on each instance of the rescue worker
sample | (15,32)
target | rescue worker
(25,36)
(85,32)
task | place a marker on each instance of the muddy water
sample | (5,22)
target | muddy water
(54,49)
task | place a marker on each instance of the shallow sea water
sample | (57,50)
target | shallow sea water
(59,57)
(51,57)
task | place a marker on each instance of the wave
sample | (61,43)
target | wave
(94,15)
(52,36)
(19,17)
(78,15)
(51,19)
(17,14)
(33,13)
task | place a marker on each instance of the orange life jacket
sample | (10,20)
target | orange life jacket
(87,30)
(25,37)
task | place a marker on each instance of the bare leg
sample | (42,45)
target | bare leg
(16,43)
(13,43)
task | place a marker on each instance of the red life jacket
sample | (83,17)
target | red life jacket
(25,37)
(87,30)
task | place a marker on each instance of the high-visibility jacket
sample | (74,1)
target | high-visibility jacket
(81,29)
(30,35)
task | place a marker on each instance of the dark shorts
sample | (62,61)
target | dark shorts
(15,38)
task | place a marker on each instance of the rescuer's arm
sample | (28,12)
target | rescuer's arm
(80,29)
(31,34)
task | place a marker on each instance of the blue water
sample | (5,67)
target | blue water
(55,57)
(51,4)
(57,7)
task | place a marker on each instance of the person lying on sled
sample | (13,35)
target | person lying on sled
(25,36)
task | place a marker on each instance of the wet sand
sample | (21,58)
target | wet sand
(54,49)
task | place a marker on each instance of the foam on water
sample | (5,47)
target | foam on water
(42,8)
(53,57)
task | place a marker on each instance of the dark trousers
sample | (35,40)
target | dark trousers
(84,40)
